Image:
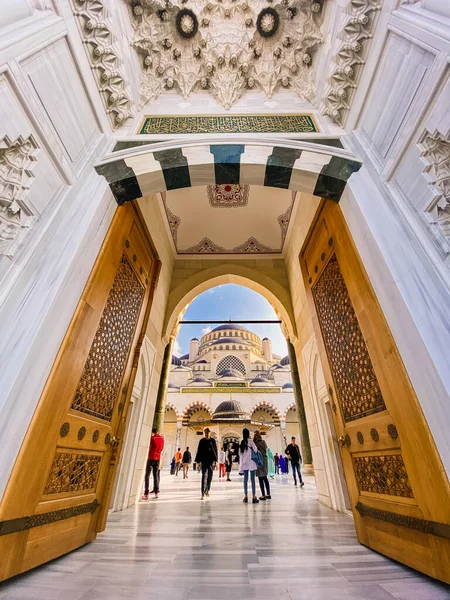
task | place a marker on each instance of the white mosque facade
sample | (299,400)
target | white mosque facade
(230,379)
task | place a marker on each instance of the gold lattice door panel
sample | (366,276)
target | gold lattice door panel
(357,385)
(389,458)
(103,371)
(67,461)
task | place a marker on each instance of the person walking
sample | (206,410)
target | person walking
(293,452)
(247,465)
(222,459)
(282,464)
(155,453)
(263,471)
(178,457)
(276,460)
(271,463)
(229,461)
(207,456)
(187,459)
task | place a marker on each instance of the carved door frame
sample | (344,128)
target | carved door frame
(399,491)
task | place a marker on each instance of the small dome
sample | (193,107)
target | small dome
(230,410)
(231,373)
(200,381)
(176,361)
(285,361)
(277,366)
(200,362)
(287,387)
(194,340)
(266,339)
(173,388)
(260,381)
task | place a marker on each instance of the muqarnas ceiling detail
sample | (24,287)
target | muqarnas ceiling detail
(225,47)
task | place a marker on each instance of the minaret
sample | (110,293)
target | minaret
(193,349)
(267,349)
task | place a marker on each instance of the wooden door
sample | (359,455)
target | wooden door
(398,488)
(57,497)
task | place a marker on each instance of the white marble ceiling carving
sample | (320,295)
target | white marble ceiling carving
(198,226)
(226,46)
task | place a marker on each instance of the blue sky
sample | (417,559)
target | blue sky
(230,301)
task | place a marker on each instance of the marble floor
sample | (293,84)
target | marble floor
(181,548)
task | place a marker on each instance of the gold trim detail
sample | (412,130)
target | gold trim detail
(214,390)
(168,125)
(432,527)
(24,523)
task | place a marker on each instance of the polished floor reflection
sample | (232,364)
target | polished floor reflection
(181,548)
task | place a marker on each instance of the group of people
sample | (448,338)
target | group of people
(255,461)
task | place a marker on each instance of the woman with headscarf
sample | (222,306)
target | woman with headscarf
(271,462)
(282,464)
(247,465)
(262,471)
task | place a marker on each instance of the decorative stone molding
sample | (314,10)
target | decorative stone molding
(252,246)
(17,159)
(291,406)
(436,156)
(355,39)
(103,58)
(265,404)
(205,246)
(226,46)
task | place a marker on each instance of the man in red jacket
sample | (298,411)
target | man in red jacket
(153,463)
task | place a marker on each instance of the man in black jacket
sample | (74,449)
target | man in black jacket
(206,455)
(187,459)
(293,452)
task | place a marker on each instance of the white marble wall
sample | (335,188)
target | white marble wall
(397,206)
(45,93)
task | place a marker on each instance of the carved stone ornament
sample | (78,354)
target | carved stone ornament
(436,156)
(226,47)
(350,57)
(17,159)
(97,36)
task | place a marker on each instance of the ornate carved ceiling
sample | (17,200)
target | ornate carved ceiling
(228,219)
(226,46)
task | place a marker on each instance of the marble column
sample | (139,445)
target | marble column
(160,406)
(304,434)
(178,437)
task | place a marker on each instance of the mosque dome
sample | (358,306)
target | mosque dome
(230,326)
(194,340)
(260,380)
(277,366)
(200,381)
(173,388)
(230,410)
(231,373)
(288,387)
(285,361)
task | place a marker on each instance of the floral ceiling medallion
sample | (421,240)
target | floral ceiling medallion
(268,22)
(186,23)
(228,195)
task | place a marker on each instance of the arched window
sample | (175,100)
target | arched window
(240,347)
(233,347)
(227,347)
(231,362)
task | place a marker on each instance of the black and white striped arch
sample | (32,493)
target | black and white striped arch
(304,169)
